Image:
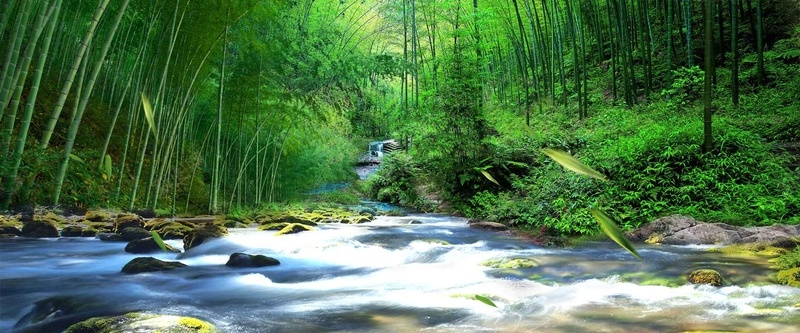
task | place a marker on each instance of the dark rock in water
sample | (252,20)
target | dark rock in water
(249,260)
(40,229)
(89,233)
(109,237)
(149,264)
(146,245)
(200,234)
(494,226)
(10,230)
(366,211)
(415,222)
(170,229)
(127,221)
(72,231)
(705,276)
(145,213)
(142,322)
(684,230)
(133,233)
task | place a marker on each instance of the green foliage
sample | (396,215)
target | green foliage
(396,181)
(789,260)
(686,87)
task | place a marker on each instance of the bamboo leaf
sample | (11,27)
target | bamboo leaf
(611,230)
(148,113)
(485,300)
(76,158)
(489,177)
(159,241)
(566,160)
(107,166)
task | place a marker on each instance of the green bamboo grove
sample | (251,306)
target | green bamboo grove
(256,102)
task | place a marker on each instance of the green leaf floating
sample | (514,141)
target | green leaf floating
(485,300)
(159,241)
(611,230)
(489,177)
(571,163)
(149,115)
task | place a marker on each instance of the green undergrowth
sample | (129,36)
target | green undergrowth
(653,157)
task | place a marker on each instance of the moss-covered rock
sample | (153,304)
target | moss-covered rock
(72,231)
(140,322)
(127,221)
(200,234)
(293,228)
(705,276)
(168,229)
(250,260)
(149,264)
(273,226)
(133,233)
(40,228)
(99,227)
(511,263)
(751,249)
(7,230)
(97,216)
(146,245)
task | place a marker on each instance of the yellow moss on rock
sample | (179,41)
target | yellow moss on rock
(705,276)
(751,249)
(790,277)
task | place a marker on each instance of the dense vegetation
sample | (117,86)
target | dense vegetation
(687,106)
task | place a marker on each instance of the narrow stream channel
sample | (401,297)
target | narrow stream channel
(393,276)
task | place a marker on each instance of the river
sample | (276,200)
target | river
(393,276)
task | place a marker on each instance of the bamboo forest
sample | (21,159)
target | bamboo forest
(317,166)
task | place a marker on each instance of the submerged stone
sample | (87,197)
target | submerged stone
(511,263)
(705,276)
(142,322)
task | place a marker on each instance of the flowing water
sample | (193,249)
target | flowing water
(392,276)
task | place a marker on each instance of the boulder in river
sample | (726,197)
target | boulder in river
(7,230)
(493,226)
(146,245)
(40,229)
(169,229)
(150,264)
(200,234)
(109,237)
(142,322)
(72,231)
(684,230)
(97,216)
(511,263)
(250,260)
(705,276)
(127,221)
(133,233)
(293,228)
